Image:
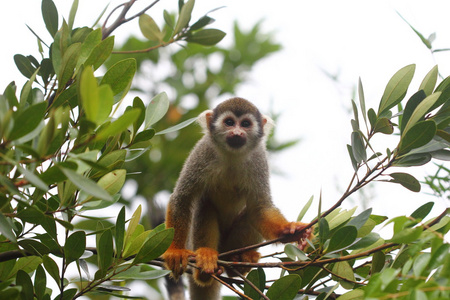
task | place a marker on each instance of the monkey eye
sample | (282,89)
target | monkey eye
(229,122)
(246,123)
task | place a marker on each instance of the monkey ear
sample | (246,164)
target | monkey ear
(268,124)
(204,119)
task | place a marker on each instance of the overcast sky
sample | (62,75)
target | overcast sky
(350,39)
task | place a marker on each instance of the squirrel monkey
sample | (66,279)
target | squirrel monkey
(222,198)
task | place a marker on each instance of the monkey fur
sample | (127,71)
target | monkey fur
(222,198)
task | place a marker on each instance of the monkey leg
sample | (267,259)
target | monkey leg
(205,240)
(210,292)
(241,234)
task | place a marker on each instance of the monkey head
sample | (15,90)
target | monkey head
(236,125)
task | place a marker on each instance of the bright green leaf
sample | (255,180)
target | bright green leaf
(100,53)
(345,273)
(184,17)
(383,125)
(419,112)
(119,125)
(157,108)
(429,82)
(150,29)
(156,244)
(407,235)
(120,76)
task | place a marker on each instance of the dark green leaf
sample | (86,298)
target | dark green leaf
(343,237)
(136,273)
(419,135)
(359,151)
(410,107)
(324,230)
(51,267)
(422,211)
(366,241)
(34,247)
(406,180)
(362,102)
(27,120)
(120,76)
(420,111)
(6,228)
(50,16)
(413,160)
(396,89)
(344,273)
(372,117)
(75,246)
(137,103)
(202,22)
(40,282)
(156,244)
(258,278)
(360,219)
(144,135)
(285,288)
(24,65)
(24,280)
(352,157)
(105,253)
(206,37)
(378,261)
(67,294)
(120,232)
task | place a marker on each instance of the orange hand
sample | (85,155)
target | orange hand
(176,260)
(206,259)
(294,232)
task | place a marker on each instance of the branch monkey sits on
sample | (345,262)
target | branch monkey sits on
(222,198)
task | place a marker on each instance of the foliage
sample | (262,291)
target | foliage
(67,146)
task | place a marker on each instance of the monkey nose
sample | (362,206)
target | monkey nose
(236,141)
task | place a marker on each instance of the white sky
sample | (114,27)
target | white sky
(352,38)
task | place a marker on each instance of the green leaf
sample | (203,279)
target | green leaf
(178,126)
(120,76)
(258,278)
(366,241)
(90,42)
(360,219)
(100,53)
(73,12)
(202,22)
(344,271)
(132,224)
(359,151)
(343,237)
(137,103)
(136,273)
(156,244)
(429,82)
(420,264)
(184,17)
(105,253)
(111,182)
(285,288)
(150,29)
(24,65)
(371,114)
(119,125)
(420,111)
(383,125)
(69,61)
(362,102)
(40,282)
(407,235)
(396,89)
(6,228)
(305,209)
(413,160)
(357,294)
(324,230)
(74,246)
(27,120)
(352,157)
(422,211)
(87,185)
(206,37)
(23,280)
(157,108)
(52,268)
(295,253)
(410,107)
(419,135)
(50,16)
(120,232)
(406,180)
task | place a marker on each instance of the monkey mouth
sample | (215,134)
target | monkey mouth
(236,141)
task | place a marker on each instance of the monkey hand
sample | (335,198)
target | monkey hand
(295,232)
(176,260)
(206,260)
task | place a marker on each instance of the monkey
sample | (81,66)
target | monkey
(222,199)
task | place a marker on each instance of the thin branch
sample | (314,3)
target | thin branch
(121,19)
(250,283)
